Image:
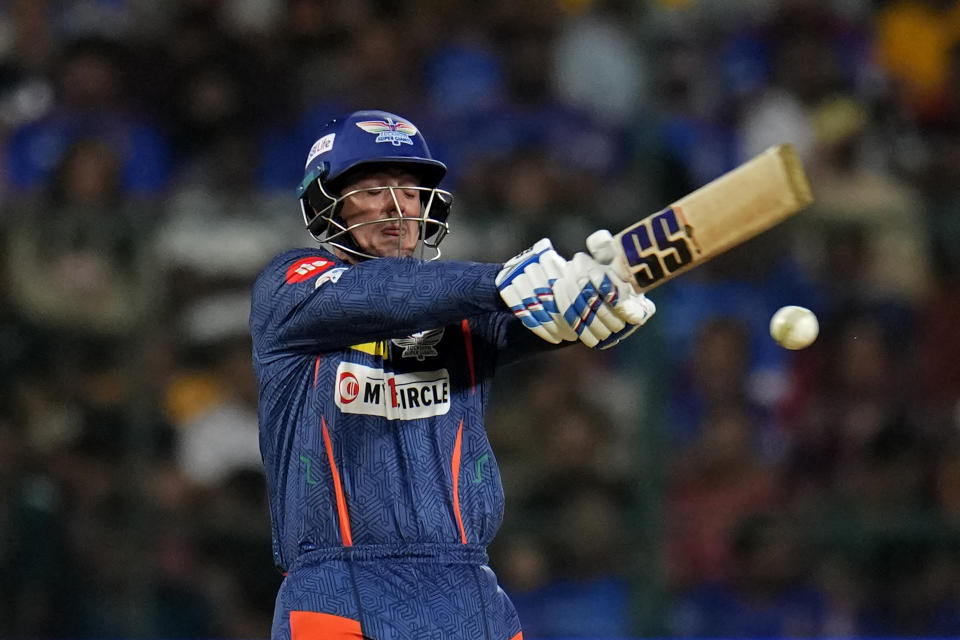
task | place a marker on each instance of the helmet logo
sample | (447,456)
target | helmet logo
(396,133)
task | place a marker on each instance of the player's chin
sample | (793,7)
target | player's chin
(393,249)
(406,252)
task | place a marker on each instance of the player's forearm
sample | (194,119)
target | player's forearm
(388,298)
(399,295)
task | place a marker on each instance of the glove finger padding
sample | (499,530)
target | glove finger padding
(541,285)
(553,265)
(600,291)
(624,301)
(536,296)
(635,308)
(575,309)
(597,304)
(530,320)
(526,288)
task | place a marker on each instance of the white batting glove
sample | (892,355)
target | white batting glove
(526,285)
(601,307)
(600,245)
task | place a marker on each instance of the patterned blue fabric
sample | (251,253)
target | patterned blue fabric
(379,354)
(402,599)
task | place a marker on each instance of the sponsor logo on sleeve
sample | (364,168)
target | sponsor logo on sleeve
(306,268)
(330,276)
(395,396)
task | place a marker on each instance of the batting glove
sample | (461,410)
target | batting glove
(526,285)
(599,305)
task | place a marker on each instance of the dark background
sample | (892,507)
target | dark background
(697,480)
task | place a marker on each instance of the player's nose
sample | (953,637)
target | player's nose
(405,205)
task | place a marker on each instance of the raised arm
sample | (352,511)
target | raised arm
(308,300)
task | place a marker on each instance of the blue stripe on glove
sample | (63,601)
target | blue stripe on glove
(581,313)
(526,285)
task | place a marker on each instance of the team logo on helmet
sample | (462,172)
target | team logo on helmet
(396,133)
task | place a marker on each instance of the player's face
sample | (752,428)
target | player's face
(385,204)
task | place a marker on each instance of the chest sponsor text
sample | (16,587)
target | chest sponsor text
(395,396)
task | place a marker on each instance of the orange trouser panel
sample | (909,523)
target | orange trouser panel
(519,636)
(309,625)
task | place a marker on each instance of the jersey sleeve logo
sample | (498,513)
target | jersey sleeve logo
(306,268)
(330,276)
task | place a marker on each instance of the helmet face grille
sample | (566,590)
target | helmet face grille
(321,212)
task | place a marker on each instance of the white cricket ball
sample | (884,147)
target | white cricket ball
(794,327)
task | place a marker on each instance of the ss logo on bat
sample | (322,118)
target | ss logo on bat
(658,246)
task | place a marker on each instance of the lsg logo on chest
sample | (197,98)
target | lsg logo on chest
(395,396)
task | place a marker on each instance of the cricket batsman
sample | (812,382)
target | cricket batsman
(374,363)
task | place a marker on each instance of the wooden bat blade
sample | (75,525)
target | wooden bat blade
(719,215)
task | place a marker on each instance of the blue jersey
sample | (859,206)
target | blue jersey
(373,382)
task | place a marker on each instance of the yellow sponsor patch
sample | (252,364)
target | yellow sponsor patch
(380,348)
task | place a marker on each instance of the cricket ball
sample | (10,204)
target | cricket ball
(794,327)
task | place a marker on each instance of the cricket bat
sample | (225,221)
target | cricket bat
(735,207)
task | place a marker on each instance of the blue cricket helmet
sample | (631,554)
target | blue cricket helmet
(366,139)
(369,137)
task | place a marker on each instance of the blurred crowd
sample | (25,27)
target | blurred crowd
(697,480)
